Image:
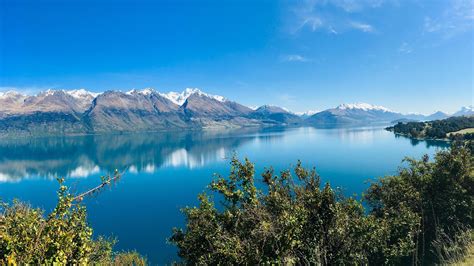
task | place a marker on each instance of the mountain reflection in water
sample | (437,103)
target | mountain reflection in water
(82,156)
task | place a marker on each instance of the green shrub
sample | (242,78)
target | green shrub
(63,237)
(295,220)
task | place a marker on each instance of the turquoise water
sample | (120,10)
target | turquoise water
(166,171)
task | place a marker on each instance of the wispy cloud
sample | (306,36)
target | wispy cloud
(357,5)
(332,16)
(294,58)
(457,18)
(405,48)
(361,26)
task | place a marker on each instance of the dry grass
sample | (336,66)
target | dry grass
(462,131)
(468,260)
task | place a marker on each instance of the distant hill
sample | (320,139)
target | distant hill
(276,114)
(346,114)
(366,114)
(437,116)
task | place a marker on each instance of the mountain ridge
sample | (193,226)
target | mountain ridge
(84,112)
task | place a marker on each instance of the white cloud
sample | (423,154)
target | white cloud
(457,18)
(313,22)
(294,58)
(357,5)
(319,15)
(361,26)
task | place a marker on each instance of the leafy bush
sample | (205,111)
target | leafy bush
(295,220)
(63,237)
(439,193)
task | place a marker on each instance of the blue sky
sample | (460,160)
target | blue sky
(410,56)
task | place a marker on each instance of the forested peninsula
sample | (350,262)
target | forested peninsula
(454,128)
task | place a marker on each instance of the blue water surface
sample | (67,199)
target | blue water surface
(165,171)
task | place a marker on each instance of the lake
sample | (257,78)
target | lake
(165,171)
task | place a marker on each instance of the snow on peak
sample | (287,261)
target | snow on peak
(47,92)
(146,91)
(272,109)
(465,110)
(469,108)
(11,94)
(363,106)
(82,93)
(132,91)
(307,113)
(180,98)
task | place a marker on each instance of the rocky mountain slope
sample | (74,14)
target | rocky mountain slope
(275,114)
(59,112)
(82,112)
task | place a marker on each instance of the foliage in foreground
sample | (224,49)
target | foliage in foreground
(415,217)
(64,237)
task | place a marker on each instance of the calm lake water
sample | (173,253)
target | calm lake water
(166,171)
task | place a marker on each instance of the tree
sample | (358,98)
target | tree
(296,220)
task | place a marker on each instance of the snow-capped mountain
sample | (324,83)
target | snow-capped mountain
(11,95)
(353,113)
(271,109)
(60,112)
(177,98)
(68,101)
(364,113)
(180,98)
(10,102)
(82,94)
(83,97)
(275,113)
(81,111)
(146,91)
(362,106)
(307,113)
(466,110)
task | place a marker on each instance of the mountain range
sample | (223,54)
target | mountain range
(69,112)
